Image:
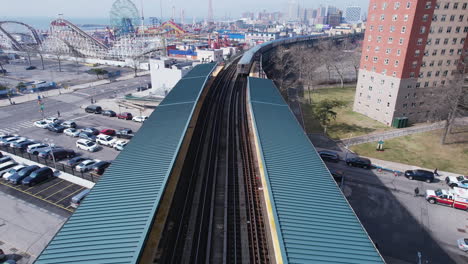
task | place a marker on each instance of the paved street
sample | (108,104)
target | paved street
(403,225)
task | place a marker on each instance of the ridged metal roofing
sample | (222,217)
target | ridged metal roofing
(315,223)
(112,223)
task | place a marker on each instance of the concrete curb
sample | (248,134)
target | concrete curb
(62,175)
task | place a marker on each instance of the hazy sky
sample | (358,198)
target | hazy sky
(197,8)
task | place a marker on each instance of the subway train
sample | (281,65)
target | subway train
(245,63)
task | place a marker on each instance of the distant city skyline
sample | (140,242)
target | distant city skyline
(197,9)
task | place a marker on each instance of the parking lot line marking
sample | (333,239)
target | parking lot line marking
(73,193)
(49,187)
(59,191)
(40,198)
(34,186)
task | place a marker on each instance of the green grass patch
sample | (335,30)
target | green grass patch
(347,123)
(423,150)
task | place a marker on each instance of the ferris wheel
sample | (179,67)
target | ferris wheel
(124,17)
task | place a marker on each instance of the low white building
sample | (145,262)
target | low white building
(210,55)
(166,72)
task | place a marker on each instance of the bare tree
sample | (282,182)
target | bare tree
(337,59)
(308,63)
(285,65)
(59,56)
(38,51)
(356,60)
(135,63)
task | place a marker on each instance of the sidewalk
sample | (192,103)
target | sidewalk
(55,92)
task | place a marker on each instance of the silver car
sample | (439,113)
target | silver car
(86,165)
(463,244)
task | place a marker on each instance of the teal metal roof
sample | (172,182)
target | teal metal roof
(112,223)
(315,222)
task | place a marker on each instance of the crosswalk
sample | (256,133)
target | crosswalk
(15,127)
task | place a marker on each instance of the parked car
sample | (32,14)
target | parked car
(140,119)
(109,132)
(38,176)
(6,175)
(5,159)
(87,136)
(86,165)
(6,166)
(109,113)
(100,167)
(125,115)
(77,199)
(20,175)
(41,124)
(75,161)
(56,128)
(72,132)
(96,109)
(8,140)
(86,145)
(119,145)
(51,120)
(142,88)
(42,148)
(463,244)
(58,154)
(422,175)
(19,140)
(23,145)
(91,130)
(329,156)
(3,71)
(69,124)
(359,162)
(105,140)
(124,133)
(457,181)
(30,68)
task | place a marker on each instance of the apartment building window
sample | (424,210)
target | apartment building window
(429,74)
(443,18)
(417,53)
(386,61)
(405,105)
(384,5)
(373,69)
(413,104)
(368,48)
(426,84)
(366,58)
(411,74)
(422,30)
(401,41)
(370,88)
(380,28)
(398,52)
(459,52)
(434,52)
(405,18)
(449,29)
(437,73)
(428,42)
(408,5)
(445,73)
(375,59)
(379,101)
(462,40)
(384,71)
(423,64)
(437,5)
(452,18)
(388,104)
(455,5)
(371,28)
(439,63)
(421,74)
(442,52)
(447,5)
(457,29)
(390,40)
(394,17)
(464,6)
(425,17)
(379,39)
(396,5)
(431,64)
(374,6)
(377,49)
(442,82)
(455,62)
(441,29)
(437,41)
(448,62)
(418,84)
(419,41)
(403,29)
(454,41)
(409,86)
(451,51)
(382,17)
(434,18)
(387,51)
(369,38)
(360,94)
(434,84)
(392,85)
(414,64)
(396,63)
(446,41)
(392,28)
(428,5)
(465,29)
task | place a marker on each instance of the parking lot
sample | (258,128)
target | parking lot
(400,223)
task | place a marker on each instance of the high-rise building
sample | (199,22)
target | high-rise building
(293,10)
(353,14)
(410,53)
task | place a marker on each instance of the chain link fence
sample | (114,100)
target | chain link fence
(50,163)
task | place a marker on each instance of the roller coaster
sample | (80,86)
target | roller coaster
(9,40)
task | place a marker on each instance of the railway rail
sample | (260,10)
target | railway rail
(216,216)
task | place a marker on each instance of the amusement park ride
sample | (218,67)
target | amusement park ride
(126,37)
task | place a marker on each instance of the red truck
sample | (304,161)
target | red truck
(456,198)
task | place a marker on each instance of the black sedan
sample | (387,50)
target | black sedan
(88,136)
(75,161)
(109,113)
(22,174)
(100,167)
(56,128)
(359,162)
(91,130)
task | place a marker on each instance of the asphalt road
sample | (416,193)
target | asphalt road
(400,223)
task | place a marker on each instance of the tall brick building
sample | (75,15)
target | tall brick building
(410,53)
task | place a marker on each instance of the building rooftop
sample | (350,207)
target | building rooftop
(313,220)
(112,223)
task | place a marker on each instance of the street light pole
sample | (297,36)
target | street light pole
(51,145)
